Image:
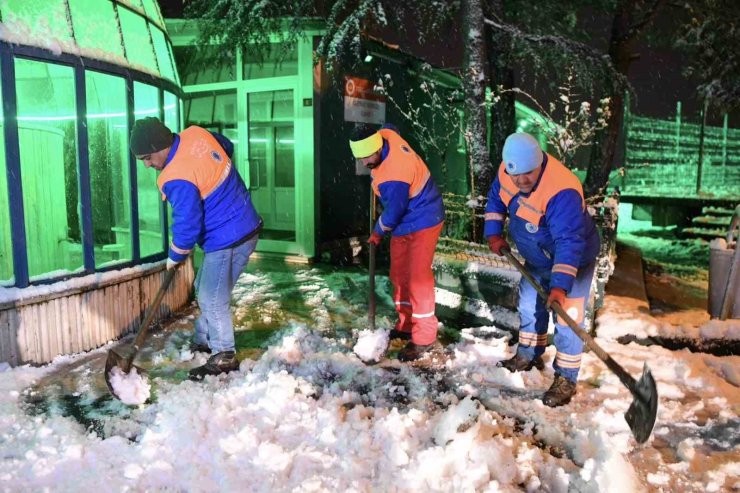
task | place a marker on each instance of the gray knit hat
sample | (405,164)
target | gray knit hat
(149,135)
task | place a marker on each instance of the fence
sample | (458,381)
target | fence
(662,158)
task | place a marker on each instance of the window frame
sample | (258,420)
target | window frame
(8,54)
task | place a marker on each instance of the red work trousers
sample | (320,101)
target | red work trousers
(413,283)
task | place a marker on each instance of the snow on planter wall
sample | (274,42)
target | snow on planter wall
(39,323)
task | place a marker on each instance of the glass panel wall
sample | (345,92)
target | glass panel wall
(6,244)
(40,16)
(281,59)
(109,167)
(170,112)
(48,158)
(95,26)
(272,161)
(146,103)
(151,9)
(163,55)
(136,39)
(200,65)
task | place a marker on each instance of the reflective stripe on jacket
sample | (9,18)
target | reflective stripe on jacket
(550,226)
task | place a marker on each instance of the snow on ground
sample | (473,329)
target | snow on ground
(659,245)
(619,317)
(305,414)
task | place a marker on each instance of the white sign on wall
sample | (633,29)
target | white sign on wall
(361,104)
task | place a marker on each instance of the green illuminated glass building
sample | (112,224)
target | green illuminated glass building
(75,76)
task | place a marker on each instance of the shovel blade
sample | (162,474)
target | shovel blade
(643,411)
(116,360)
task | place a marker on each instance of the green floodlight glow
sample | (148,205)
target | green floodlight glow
(662,157)
(151,111)
(45,118)
(368,58)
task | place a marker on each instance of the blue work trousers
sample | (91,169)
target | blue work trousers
(533,316)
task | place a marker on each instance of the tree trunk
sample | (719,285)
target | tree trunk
(625,30)
(474,86)
(503,114)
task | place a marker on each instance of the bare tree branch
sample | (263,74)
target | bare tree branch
(567,46)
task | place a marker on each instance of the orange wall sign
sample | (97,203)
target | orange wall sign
(361,103)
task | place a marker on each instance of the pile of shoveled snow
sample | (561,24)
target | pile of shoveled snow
(371,345)
(131,388)
(308,415)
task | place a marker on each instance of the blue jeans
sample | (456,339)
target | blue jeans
(214,283)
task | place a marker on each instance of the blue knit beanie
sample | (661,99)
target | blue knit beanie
(521,153)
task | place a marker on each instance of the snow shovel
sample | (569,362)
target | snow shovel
(125,363)
(371,288)
(642,412)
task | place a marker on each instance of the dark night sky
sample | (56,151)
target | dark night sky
(656,75)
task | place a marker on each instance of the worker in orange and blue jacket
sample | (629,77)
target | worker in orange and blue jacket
(211,207)
(553,231)
(413,214)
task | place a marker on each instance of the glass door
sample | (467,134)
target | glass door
(271,159)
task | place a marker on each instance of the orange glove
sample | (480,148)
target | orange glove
(497,244)
(557,295)
(375,239)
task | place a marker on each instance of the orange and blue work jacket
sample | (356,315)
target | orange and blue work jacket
(550,225)
(410,198)
(211,206)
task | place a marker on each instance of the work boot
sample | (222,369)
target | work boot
(398,334)
(560,392)
(520,363)
(412,351)
(217,364)
(196,347)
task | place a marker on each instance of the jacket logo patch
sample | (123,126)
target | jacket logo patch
(216,156)
(532,228)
